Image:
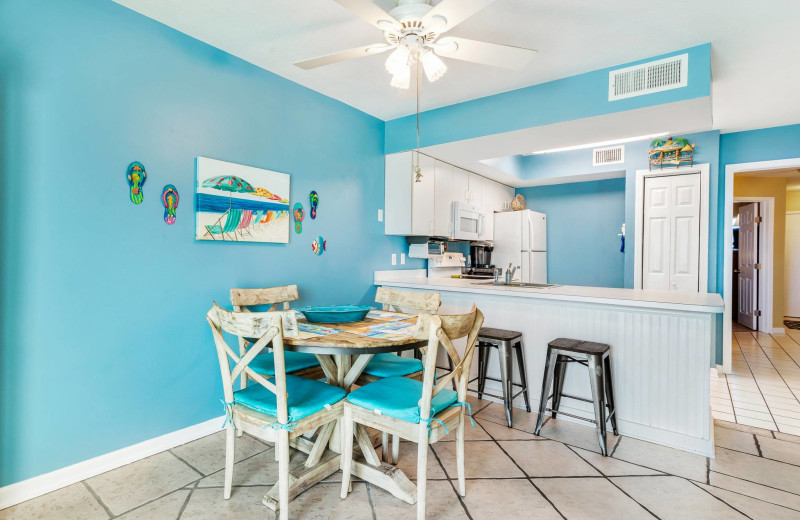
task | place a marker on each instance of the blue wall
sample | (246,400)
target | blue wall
(576,97)
(583,220)
(104,342)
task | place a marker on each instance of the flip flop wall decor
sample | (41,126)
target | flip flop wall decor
(136,176)
(313,199)
(169,196)
(299,215)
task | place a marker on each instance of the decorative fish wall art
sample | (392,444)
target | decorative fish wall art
(136,176)
(169,196)
(319,246)
(299,215)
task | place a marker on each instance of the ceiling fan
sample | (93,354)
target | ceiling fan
(412,30)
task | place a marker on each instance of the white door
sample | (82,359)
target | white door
(671,234)
(792,290)
(748,260)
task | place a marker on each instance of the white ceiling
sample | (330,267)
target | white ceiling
(754,47)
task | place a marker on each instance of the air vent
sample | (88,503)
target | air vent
(647,78)
(608,155)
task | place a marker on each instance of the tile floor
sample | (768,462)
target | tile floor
(764,387)
(511,474)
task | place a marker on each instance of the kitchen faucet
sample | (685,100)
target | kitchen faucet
(510,272)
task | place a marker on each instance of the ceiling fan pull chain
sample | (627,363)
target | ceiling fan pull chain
(417,171)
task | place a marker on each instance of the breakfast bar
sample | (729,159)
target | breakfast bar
(661,346)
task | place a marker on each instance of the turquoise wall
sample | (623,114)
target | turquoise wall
(583,220)
(104,342)
(568,99)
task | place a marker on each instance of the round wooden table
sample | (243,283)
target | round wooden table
(343,356)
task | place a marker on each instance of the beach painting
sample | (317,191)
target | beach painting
(236,203)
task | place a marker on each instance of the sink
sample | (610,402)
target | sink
(519,284)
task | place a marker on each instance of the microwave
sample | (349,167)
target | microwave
(469,222)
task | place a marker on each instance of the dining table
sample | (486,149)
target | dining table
(343,351)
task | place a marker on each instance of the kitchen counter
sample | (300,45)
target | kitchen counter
(662,346)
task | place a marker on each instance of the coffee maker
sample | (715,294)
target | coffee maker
(480,266)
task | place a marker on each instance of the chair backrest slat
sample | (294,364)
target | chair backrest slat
(408,301)
(443,329)
(274,296)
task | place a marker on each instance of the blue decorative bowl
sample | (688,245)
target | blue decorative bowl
(335,314)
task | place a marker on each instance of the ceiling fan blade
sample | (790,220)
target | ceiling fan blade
(494,54)
(358,52)
(455,11)
(369,12)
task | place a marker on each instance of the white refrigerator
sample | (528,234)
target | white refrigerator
(520,238)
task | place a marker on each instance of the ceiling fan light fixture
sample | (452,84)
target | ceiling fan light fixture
(401,78)
(398,60)
(433,65)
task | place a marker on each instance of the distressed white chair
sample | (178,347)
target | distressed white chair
(419,411)
(276,409)
(297,363)
(394,365)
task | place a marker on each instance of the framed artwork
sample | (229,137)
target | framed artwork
(239,203)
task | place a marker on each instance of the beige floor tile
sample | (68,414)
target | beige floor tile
(441,503)
(743,428)
(510,499)
(755,490)
(259,470)
(521,419)
(574,434)
(322,502)
(245,502)
(758,423)
(471,434)
(661,458)
(477,404)
(787,437)
(166,507)
(548,459)
(73,502)
(610,466)
(673,498)
(124,488)
(590,499)
(482,459)
(207,455)
(501,432)
(735,440)
(754,508)
(780,450)
(755,469)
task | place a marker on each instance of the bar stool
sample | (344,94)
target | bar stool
(595,356)
(505,341)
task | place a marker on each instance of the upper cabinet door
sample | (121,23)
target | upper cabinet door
(476,184)
(422,197)
(397,198)
(445,194)
(460,185)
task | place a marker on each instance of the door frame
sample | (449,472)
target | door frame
(641,175)
(766,244)
(727,238)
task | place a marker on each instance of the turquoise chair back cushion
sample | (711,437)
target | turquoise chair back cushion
(391,365)
(398,397)
(306,397)
(264,363)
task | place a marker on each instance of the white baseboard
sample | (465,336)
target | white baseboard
(33,487)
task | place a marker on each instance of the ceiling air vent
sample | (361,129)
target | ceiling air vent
(647,78)
(608,155)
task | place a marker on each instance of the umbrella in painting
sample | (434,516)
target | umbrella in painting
(229,183)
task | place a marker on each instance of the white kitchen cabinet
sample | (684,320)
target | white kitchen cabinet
(444,193)
(476,185)
(460,184)
(409,205)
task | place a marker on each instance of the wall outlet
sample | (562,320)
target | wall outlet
(380,215)
(402,258)
(394,258)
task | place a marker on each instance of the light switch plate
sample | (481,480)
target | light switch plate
(402,258)
(394,258)
(380,215)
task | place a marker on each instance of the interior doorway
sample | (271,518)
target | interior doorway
(750,304)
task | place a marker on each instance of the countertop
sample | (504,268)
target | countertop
(691,302)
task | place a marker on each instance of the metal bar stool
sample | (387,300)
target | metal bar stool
(595,356)
(505,341)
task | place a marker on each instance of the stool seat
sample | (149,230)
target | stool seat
(579,346)
(498,334)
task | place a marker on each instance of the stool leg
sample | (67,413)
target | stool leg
(505,377)
(610,393)
(523,378)
(598,398)
(549,369)
(483,362)
(558,383)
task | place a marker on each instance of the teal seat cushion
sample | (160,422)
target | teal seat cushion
(264,364)
(398,397)
(306,397)
(391,365)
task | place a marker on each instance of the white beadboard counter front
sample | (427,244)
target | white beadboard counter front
(661,348)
